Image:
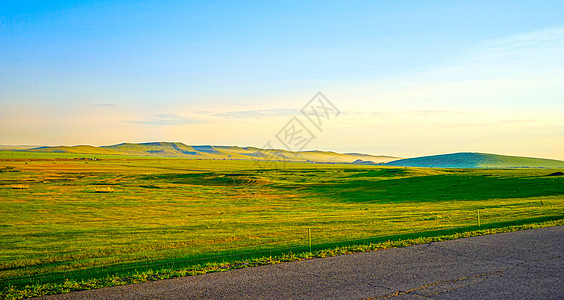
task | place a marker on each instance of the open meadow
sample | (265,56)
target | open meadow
(63,217)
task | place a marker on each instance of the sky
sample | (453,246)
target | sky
(408,78)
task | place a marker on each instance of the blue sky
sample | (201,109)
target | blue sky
(410,77)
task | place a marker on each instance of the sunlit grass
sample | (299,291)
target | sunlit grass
(20,186)
(163,210)
(104,190)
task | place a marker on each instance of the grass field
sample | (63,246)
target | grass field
(71,218)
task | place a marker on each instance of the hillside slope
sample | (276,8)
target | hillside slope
(83,149)
(476,160)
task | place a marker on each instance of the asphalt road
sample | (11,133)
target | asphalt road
(518,265)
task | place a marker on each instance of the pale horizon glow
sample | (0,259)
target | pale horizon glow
(410,80)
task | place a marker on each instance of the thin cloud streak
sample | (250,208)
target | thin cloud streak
(275,112)
(168,119)
(103,105)
(433,113)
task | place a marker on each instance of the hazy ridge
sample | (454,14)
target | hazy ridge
(181,150)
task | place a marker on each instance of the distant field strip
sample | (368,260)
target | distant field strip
(81,218)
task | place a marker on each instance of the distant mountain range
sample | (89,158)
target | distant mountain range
(170,149)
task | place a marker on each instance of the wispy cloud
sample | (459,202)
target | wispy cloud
(168,119)
(103,105)
(424,113)
(275,112)
(517,55)
(203,112)
(436,113)
(544,39)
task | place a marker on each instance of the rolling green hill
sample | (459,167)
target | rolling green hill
(83,149)
(476,160)
(170,149)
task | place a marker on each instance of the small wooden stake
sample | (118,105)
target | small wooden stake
(309,238)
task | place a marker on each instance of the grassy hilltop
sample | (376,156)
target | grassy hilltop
(476,160)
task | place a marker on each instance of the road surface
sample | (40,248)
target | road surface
(518,265)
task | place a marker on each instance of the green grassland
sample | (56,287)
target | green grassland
(71,218)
